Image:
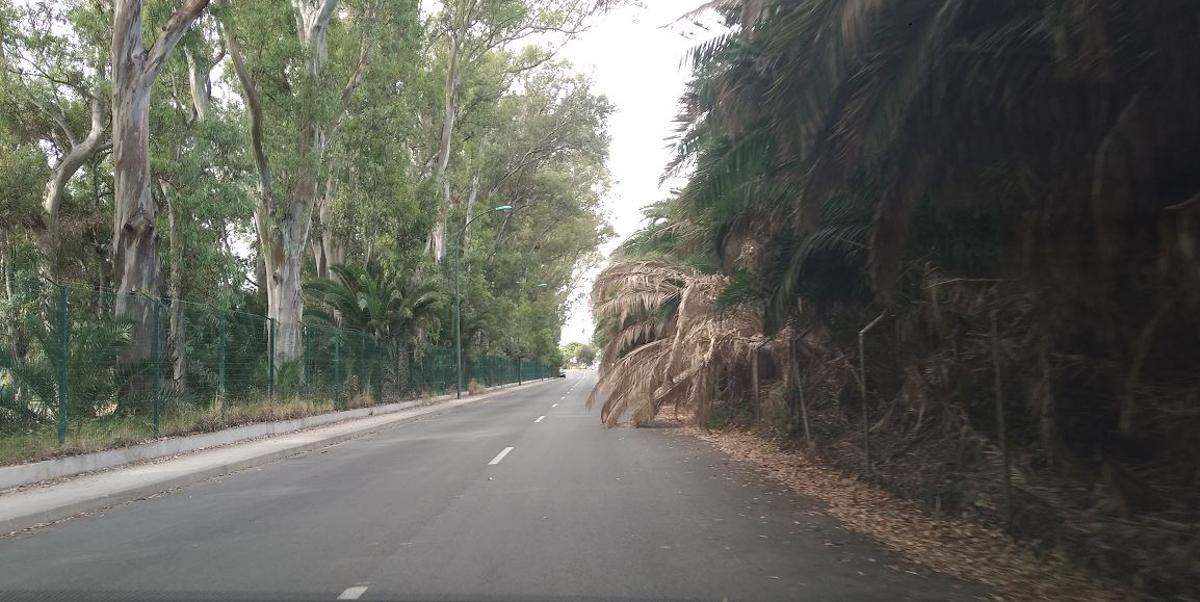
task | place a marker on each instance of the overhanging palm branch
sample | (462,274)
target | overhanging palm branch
(667,342)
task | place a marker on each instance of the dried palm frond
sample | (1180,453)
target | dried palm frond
(668,342)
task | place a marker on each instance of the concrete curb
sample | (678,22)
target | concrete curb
(373,420)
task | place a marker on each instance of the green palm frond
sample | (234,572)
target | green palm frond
(376,301)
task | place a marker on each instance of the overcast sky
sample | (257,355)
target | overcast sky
(635,57)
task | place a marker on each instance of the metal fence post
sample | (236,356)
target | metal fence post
(1001,428)
(862,389)
(64,325)
(222,332)
(337,371)
(362,363)
(271,359)
(157,350)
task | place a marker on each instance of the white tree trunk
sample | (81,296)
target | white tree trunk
(282,244)
(135,241)
(283,224)
(328,249)
(201,92)
(177,335)
(201,86)
(437,237)
(472,199)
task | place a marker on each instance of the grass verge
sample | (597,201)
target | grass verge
(41,443)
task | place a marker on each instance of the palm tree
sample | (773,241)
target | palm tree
(937,162)
(391,307)
(381,303)
(668,342)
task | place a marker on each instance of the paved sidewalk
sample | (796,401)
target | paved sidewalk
(37,505)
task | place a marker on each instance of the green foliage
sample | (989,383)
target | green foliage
(23,173)
(531,133)
(30,391)
(579,355)
(939,165)
(387,305)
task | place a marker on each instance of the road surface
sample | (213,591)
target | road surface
(522,497)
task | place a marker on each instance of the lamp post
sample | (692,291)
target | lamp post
(458,254)
(518,339)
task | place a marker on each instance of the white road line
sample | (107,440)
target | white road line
(352,593)
(540,418)
(500,456)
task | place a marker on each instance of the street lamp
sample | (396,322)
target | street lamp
(458,254)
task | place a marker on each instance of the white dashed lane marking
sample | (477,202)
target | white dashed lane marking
(352,593)
(500,456)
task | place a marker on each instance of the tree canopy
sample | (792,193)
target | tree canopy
(307,142)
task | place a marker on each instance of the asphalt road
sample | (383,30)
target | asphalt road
(435,510)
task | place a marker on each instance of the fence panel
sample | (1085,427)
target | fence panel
(88,368)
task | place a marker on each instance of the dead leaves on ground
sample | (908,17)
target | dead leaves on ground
(953,547)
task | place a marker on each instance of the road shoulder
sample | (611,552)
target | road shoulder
(54,501)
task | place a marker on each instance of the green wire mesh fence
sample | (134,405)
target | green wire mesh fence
(75,358)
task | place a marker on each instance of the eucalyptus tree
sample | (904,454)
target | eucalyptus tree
(541,149)
(55,83)
(472,30)
(369,206)
(202,174)
(297,91)
(135,238)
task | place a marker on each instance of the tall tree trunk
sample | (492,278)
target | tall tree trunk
(437,238)
(472,199)
(10,320)
(280,254)
(201,87)
(201,94)
(177,335)
(328,249)
(283,246)
(284,224)
(135,241)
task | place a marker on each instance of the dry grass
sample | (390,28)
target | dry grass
(474,388)
(953,547)
(102,434)
(362,400)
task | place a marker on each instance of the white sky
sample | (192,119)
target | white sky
(635,56)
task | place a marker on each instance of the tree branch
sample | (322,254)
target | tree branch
(73,160)
(364,57)
(254,104)
(170,36)
(325,14)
